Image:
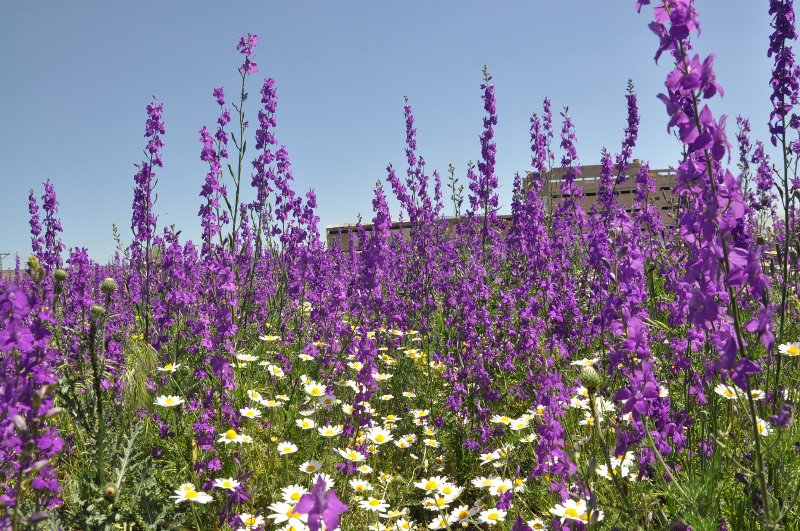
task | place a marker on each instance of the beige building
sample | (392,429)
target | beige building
(589,181)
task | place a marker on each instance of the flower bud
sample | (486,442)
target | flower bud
(110,491)
(760,240)
(38,517)
(109,286)
(60,275)
(97,311)
(19,422)
(590,378)
(53,412)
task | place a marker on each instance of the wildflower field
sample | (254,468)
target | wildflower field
(562,369)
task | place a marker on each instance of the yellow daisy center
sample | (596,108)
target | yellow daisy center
(291,514)
(227,484)
(463,514)
(728,392)
(494,516)
(191,494)
(374,503)
(170,366)
(359,488)
(380,438)
(169,401)
(295,496)
(310,468)
(430,485)
(230,435)
(794,351)
(572,512)
(250,521)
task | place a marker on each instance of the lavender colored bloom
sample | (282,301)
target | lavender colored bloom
(319,506)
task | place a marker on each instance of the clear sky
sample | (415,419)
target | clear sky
(78,75)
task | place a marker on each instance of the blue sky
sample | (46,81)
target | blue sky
(78,75)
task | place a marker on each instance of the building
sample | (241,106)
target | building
(403,226)
(589,181)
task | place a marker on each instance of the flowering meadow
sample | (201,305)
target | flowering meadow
(561,369)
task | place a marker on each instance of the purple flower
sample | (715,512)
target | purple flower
(316,505)
(783,419)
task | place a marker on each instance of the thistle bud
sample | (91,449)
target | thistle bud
(60,275)
(110,491)
(97,311)
(590,378)
(109,286)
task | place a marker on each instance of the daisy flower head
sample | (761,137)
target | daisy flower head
(169,367)
(226,483)
(327,400)
(309,467)
(169,401)
(230,436)
(531,437)
(536,524)
(538,411)
(497,419)
(254,395)
(409,394)
(492,516)
(433,443)
(790,349)
(275,371)
(191,495)
(286,448)
(758,394)
(585,362)
(315,389)
(293,493)
(269,338)
(351,455)
(250,413)
(246,357)
(305,424)
(330,431)
(250,521)
(284,512)
(379,435)
(763,427)
(726,391)
(365,469)
(373,504)
(394,514)
(431,484)
(437,523)
(305,357)
(360,485)
(270,403)
(461,514)
(519,424)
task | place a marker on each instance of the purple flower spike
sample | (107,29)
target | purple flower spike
(317,506)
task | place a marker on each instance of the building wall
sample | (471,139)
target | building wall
(589,181)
